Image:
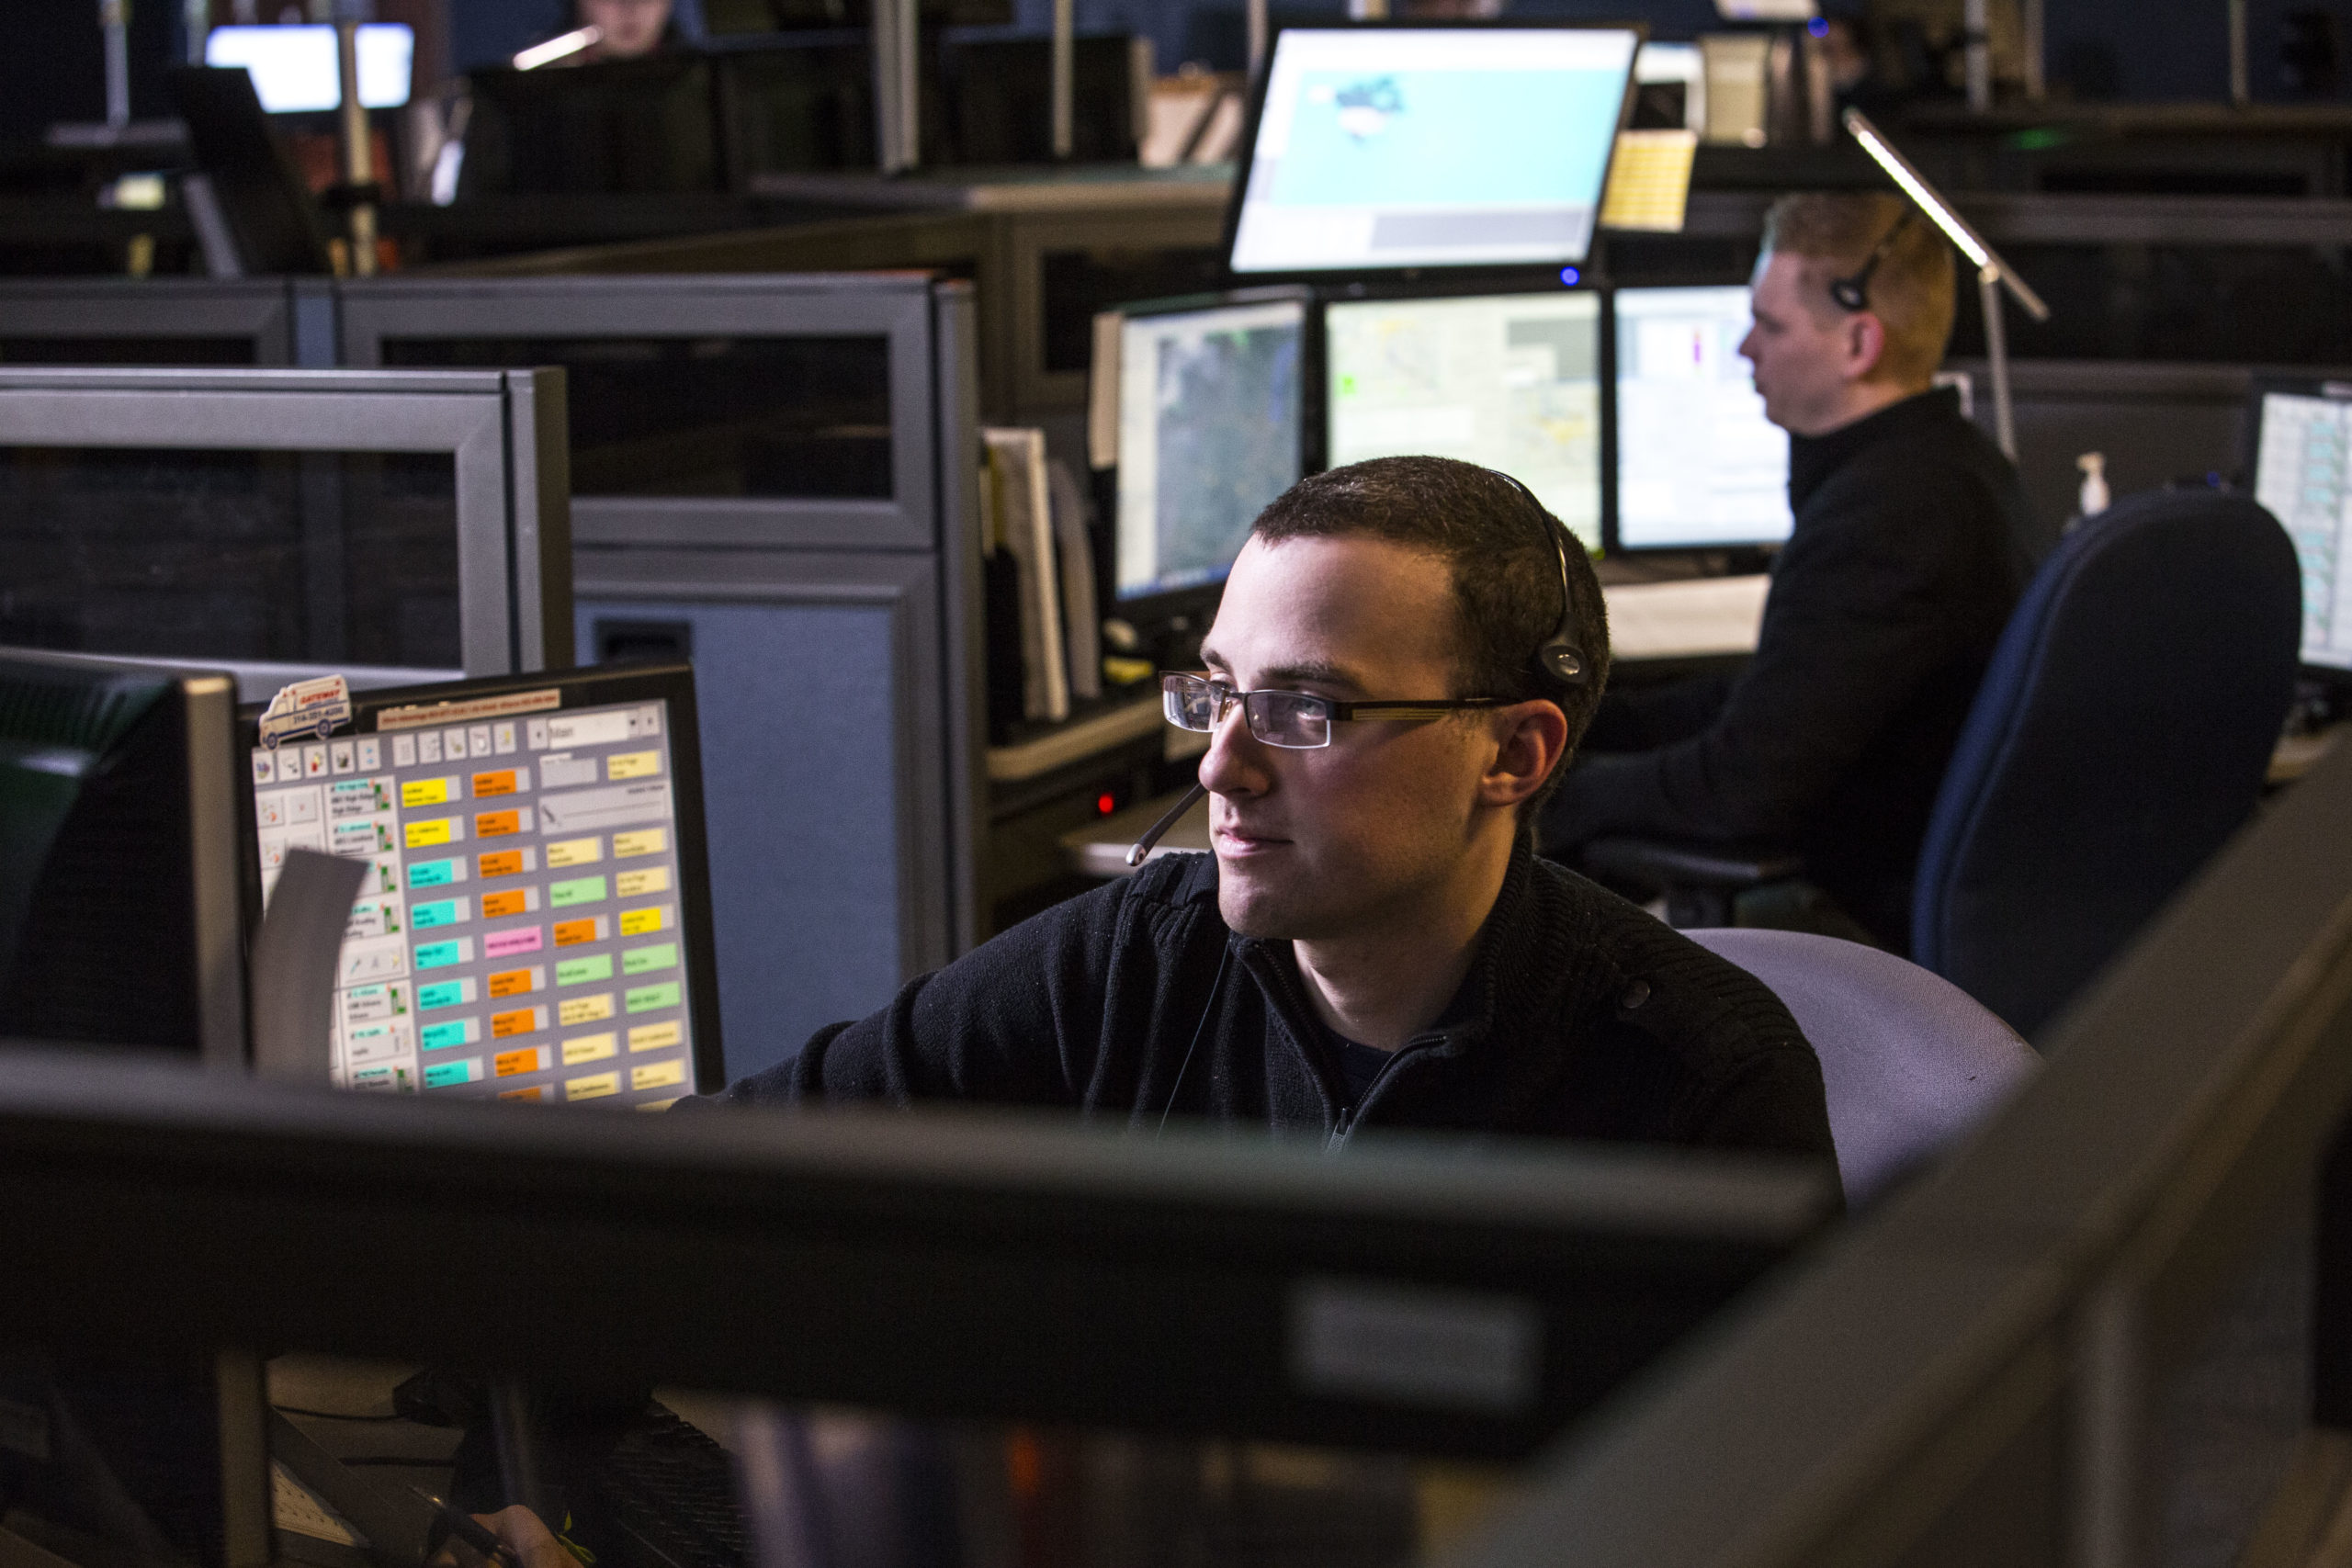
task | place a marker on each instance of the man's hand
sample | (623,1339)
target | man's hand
(521,1530)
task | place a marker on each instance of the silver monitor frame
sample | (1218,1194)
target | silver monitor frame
(505,429)
(895,307)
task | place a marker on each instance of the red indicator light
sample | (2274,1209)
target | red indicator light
(1105,804)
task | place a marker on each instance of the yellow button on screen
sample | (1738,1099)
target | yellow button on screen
(593,1086)
(644,841)
(638,883)
(633,765)
(637,922)
(586,1009)
(657,1075)
(589,1048)
(577,852)
(655,1036)
(434,830)
(428,792)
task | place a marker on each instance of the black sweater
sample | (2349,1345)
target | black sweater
(1581,1017)
(1901,571)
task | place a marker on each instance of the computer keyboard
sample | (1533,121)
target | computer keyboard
(666,1495)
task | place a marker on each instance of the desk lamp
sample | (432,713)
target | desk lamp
(1993,273)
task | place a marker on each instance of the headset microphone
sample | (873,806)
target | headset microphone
(1159,829)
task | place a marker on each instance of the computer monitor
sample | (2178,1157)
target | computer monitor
(1000,98)
(1698,463)
(119,919)
(1508,381)
(1211,404)
(2302,453)
(373,518)
(536,920)
(296,70)
(614,128)
(1375,149)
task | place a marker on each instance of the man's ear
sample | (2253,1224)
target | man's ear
(1865,345)
(1529,738)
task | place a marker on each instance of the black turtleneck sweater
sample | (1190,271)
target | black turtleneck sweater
(1581,1017)
(1885,604)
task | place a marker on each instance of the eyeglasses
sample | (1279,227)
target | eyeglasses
(1296,720)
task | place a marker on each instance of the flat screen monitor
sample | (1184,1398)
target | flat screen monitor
(296,70)
(2302,452)
(1698,463)
(384,518)
(535,924)
(1383,148)
(1211,429)
(1508,381)
(120,918)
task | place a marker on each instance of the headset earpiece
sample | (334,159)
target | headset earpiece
(1560,658)
(1853,294)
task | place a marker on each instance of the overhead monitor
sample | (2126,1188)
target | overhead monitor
(1508,381)
(1211,417)
(119,923)
(1698,463)
(535,924)
(296,70)
(1374,149)
(2302,454)
(380,518)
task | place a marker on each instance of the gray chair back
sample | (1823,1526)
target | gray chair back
(1910,1061)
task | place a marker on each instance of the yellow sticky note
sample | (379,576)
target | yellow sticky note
(644,841)
(575,852)
(633,765)
(657,1074)
(1649,180)
(638,883)
(589,1048)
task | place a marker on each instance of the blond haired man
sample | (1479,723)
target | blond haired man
(1885,604)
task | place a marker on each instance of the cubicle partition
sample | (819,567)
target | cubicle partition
(184,322)
(774,476)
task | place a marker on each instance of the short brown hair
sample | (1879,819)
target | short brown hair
(1911,289)
(1505,568)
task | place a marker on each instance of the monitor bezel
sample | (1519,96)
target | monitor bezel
(1256,109)
(1171,606)
(1612,432)
(2335,678)
(1459,286)
(503,430)
(598,685)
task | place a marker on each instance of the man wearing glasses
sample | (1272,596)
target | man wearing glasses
(1392,684)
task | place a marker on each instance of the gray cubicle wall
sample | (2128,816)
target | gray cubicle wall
(302,516)
(774,476)
(184,322)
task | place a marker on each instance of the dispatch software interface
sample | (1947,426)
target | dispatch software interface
(1697,461)
(1395,147)
(517,935)
(1508,381)
(2300,475)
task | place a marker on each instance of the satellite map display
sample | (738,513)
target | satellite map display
(1209,420)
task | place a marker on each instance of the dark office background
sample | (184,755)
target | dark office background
(2132,49)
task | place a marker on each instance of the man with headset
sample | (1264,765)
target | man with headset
(1406,652)
(1905,562)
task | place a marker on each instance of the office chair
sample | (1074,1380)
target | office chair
(1909,1060)
(2121,732)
